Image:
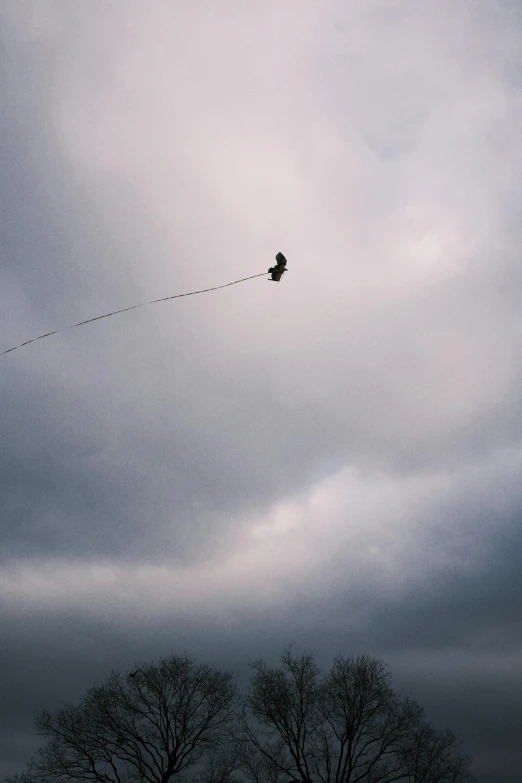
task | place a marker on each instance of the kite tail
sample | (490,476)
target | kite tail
(126,309)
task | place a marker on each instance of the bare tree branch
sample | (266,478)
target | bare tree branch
(344,726)
(178,720)
(146,728)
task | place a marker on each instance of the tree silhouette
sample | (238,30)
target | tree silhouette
(178,720)
(150,727)
(344,726)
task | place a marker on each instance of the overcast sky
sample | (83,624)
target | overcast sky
(333,462)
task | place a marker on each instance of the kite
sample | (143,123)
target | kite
(276,273)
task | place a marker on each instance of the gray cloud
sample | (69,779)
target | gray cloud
(332,462)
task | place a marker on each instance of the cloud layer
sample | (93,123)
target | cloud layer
(334,461)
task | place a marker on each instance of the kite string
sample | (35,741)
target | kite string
(126,309)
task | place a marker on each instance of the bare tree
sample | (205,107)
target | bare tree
(430,757)
(150,726)
(284,704)
(181,720)
(346,726)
